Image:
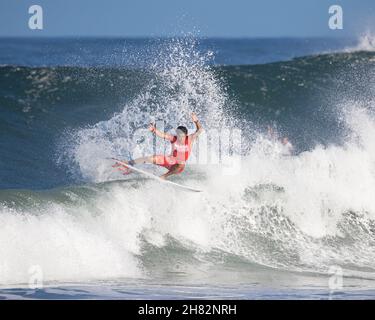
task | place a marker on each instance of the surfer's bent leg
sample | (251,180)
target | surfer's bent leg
(148,159)
(132,162)
(160,160)
(167,162)
(143,160)
(155,159)
(175,169)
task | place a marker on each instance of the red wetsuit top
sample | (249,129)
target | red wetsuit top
(181,151)
(179,155)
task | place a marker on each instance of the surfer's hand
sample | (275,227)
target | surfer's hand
(194,117)
(152,127)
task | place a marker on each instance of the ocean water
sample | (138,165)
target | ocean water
(266,226)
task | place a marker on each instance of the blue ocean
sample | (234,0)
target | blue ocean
(296,226)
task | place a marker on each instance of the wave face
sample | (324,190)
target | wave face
(63,208)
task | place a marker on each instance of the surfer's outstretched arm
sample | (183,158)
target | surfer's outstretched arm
(159,133)
(199,128)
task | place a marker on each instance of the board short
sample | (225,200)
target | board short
(169,162)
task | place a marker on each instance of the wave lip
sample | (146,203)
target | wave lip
(366,42)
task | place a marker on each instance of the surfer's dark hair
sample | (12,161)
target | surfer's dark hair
(183,129)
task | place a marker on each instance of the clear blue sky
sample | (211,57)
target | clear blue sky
(212,18)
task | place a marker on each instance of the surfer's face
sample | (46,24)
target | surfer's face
(180,134)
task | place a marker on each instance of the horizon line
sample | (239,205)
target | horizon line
(150,37)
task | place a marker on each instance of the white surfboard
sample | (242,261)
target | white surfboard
(148,174)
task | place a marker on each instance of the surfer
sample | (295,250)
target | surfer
(182,144)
